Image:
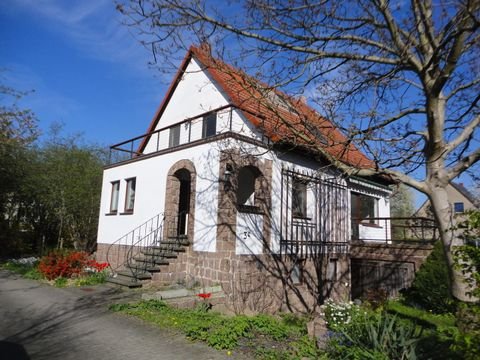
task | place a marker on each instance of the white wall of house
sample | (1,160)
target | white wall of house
(151,179)
(196,94)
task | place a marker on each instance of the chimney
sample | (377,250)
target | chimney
(303,99)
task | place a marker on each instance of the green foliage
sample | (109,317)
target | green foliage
(27,270)
(371,335)
(467,257)
(18,129)
(60,282)
(467,340)
(222,332)
(424,318)
(49,194)
(430,289)
(93,278)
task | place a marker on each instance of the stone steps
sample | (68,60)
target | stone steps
(149,261)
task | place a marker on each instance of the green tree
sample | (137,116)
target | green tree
(70,180)
(18,131)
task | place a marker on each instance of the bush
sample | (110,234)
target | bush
(371,335)
(68,264)
(26,267)
(430,288)
(467,340)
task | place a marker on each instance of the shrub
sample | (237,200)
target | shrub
(68,264)
(467,340)
(371,335)
(430,288)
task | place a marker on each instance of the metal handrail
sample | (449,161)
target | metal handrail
(128,240)
(151,239)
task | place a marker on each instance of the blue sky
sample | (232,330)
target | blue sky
(87,69)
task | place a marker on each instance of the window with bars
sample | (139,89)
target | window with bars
(299,198)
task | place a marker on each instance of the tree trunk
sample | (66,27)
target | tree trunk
(450,238)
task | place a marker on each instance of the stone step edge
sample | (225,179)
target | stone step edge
(183,293)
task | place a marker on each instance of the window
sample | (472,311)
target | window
(458,207)
(332,270)
(247,178)
(130,195)
(209,125)
(364,208)
(114,197)
(174,139)
(299,198)
(297,274)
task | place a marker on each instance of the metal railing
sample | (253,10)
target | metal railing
(395,229)
(189,130)
(313,248)
(305,242)
(153,238)
(120,252)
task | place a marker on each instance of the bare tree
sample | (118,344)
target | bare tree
(402,79)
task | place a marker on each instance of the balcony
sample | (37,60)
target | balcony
(395,229)
(216,124)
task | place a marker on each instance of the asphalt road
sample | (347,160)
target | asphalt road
(38,321)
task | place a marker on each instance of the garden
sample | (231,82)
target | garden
(61,268)
(426,322)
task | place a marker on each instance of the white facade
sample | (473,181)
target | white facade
(196,94)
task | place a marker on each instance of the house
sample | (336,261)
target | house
(461,200)
(234,185)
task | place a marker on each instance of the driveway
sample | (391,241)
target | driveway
(38,321)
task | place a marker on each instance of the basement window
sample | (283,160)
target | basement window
(332,270)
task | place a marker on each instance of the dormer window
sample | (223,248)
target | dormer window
(209,125)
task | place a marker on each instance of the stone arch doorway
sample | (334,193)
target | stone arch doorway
(180,200)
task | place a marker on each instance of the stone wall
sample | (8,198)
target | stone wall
(390,267)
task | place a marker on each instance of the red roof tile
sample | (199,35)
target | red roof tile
(281,118)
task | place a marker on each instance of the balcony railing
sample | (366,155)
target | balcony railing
(188,131)
(395,229)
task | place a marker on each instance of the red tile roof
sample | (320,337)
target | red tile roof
(283,119)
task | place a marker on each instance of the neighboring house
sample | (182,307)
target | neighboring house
(460,199)
(232,185)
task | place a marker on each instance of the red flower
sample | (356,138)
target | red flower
(205,296)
